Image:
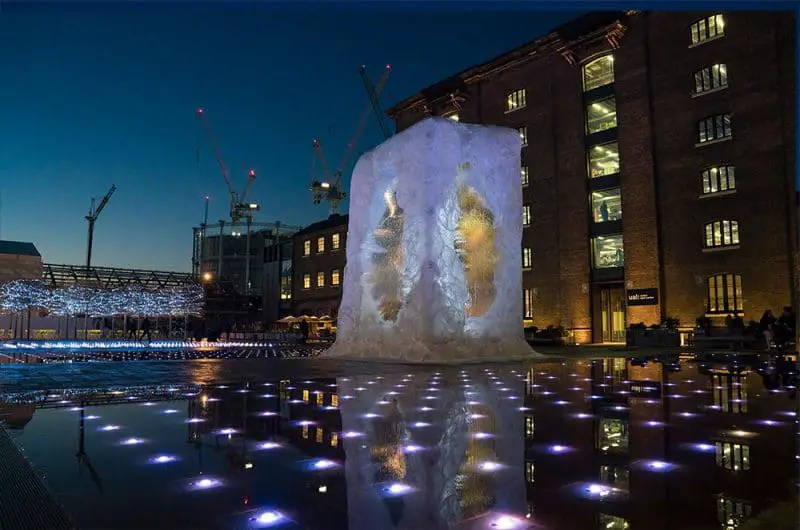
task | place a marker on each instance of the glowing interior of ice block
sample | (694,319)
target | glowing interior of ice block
(434,268)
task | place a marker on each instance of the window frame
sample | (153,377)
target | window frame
(717,18)
(307,284)
(586,108)
(591,62)
(711,77)
(335,241)
(306,247)
(321,244)
(526,215)
(320,274)
(732,226)
(515,95)
(527,304)
(712,177)
(595,240)
(717,122)
(738,294)
(527,258)
(337,275)
(589,160)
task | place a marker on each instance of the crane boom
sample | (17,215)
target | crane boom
(361,124)
(104,201)
(217,153)
(373,94)
(326,171)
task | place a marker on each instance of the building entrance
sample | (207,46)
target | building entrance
(612,314)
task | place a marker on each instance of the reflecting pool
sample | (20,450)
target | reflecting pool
(595,444)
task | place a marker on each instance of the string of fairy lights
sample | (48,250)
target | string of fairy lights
(21,295)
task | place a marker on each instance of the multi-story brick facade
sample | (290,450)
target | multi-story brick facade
(658,167)
(318,267)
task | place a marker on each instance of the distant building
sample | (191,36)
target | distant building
(318,267)
(19,260)
(657,167)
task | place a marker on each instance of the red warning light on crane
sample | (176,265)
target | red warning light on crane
(252,174)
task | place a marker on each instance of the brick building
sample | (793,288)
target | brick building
(19,261)
(318,267)
(658,164)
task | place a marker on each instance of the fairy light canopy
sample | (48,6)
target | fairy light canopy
(21,295)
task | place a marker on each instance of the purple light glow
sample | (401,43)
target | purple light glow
(558,449)
(305,423)
(560,402)
(268,445)
(419,424)
(195,420)
(92,418)
(507,522)
(132,441)
(687,414)
(581,415)
(76,409)
(396,489)
(659,466)
(489,467)
(205,484)
(653,423)
(169,411)
(481,435)
(369,415)
(770,423)
(425,409)
(110,428)
(162,459)
(702,447)
(323,464)
(228,431)
(410,449)
(268,518)
(267,413)
(351,434)
(267,396)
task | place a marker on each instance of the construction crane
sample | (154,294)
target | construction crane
(239,208)
(91,218)
(330,187)
(374,98)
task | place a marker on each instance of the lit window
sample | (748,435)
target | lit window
(708,28)
(334,400)
(527,258)
(320,435)
(335,241)
(320,398)
(604,160)
(529,427)
(608,252)
(613,522)
(523,175)
(529,472)
(526,215)
(710,78)
(724,233)
(321,244)
(527,300)
(606,205)
(452,115)
(335,277)
(599,72)
(601,115)
(714,128)
(334,439)
(305,432)
(306,281)
(718,179)
(523,134)
(306,248)
(730,512)
(613,435)
(724,294)
(320,279)
(305,395)
(515,100)
(733,456)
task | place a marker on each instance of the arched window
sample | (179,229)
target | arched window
(722,233)
(599,72)
(724,294)
(714,128)
(718,179)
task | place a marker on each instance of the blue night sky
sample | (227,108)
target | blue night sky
(98,94)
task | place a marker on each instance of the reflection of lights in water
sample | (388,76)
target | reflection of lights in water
(659,466)
(348,397)
(305,423)
(507,522)
(687,414)
(360,389)
(267,396)
(560,402)
(225,431)
(268,445)
(162,459)
(620,407)
(351,434)
(205,483)
(770,423)
(132,441)
(426,409)
(420,424)
(412,449)
(371,415)
(92,418)
(76,409)
(523,409)
(148,404)
(296,401)
(268,518)
(702,447)
(396,489)
(489,467)
(741,434)
(195,420)
(323,464)
(267,413)
(582,415)
(653,423)
(330,407)
(110,428)
(558,449)
(169,411)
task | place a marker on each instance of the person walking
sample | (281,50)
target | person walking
(765,326)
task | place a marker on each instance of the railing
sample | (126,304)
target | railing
(112,277)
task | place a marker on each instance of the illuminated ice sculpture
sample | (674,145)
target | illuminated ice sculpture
(434,265)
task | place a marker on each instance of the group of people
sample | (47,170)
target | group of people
(778,332)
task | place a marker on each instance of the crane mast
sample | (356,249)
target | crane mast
(374,98)
(92,218)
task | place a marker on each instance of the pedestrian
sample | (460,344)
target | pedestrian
(765,326)
(146,329)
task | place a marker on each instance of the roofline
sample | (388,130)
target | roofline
(547,45)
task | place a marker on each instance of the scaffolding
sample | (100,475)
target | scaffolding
(113,278)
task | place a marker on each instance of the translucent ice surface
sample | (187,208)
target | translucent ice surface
(434,267)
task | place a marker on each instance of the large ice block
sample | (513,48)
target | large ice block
(434,266)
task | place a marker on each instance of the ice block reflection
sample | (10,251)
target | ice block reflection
(452,462)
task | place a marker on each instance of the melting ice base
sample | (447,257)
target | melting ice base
(434,268)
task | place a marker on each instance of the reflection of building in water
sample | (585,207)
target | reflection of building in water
(707,423)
